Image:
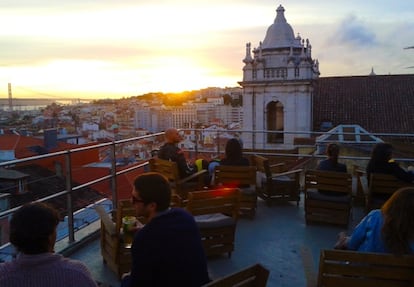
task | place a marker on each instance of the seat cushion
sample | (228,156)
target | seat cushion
(251,190)
(214,220)
(313,193)
(282,179)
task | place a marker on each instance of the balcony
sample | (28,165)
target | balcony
(75,180)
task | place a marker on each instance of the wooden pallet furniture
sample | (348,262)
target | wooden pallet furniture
(114,254)
(328,197)
(253,276)
(380,188)
(179,186)
(339,268)
(276,183)
(216,213)
(243,177)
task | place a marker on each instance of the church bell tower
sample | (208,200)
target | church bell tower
(277,87)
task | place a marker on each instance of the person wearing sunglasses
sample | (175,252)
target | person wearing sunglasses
(167,250)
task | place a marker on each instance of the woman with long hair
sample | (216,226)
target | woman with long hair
(388,230)
(381,162)
(234,154)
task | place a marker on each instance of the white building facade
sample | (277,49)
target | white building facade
(277,87)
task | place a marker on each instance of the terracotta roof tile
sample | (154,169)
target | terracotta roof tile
(380,104)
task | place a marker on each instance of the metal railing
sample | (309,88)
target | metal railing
(197,143)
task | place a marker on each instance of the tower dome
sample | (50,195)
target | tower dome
(280,33)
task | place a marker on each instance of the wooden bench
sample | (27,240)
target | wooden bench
(381,187)
(252,276)
(216,213)
(328,197)
(243,177)
(340,268)
(179,186)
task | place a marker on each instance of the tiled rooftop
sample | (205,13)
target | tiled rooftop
(380,103)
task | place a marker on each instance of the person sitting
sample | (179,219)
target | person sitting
(167,251)
(233,156)
(170,151)
(331,163)
(381,162)
(386,230)
(33,234)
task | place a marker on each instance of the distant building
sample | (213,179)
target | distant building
(277,86)
(282,92)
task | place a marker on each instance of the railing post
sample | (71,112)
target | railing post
(113,177)
(196,133)
(218,143)
(71,231)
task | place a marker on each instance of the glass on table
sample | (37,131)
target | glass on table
(130,225)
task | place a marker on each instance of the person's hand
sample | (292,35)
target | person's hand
(137,226)
(342,240)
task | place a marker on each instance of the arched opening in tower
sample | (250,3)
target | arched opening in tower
(274,112)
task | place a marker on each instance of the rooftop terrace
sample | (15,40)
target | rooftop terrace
(277,237)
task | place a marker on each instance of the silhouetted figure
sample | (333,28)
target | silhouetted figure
(33,233)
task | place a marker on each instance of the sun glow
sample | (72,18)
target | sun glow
(127,48)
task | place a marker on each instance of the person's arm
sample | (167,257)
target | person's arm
(401,174)
(359,234)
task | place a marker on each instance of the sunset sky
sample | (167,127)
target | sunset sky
(114,49)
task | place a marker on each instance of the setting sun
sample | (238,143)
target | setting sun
(112,49)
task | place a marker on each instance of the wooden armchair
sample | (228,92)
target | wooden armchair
(216,213)
(114,255)
(179,186)
(380,188)
(328,197)
(243,177)
(277,185)
(252,276)
(364,269)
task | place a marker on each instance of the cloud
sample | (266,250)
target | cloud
(353,31)
(19,51)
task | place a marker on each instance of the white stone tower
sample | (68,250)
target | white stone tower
(277,87)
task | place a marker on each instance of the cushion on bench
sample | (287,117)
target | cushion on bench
(214,220)
(315,194)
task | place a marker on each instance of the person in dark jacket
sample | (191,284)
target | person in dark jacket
(170,151)
(167,251)
(331,163)
(381,162)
